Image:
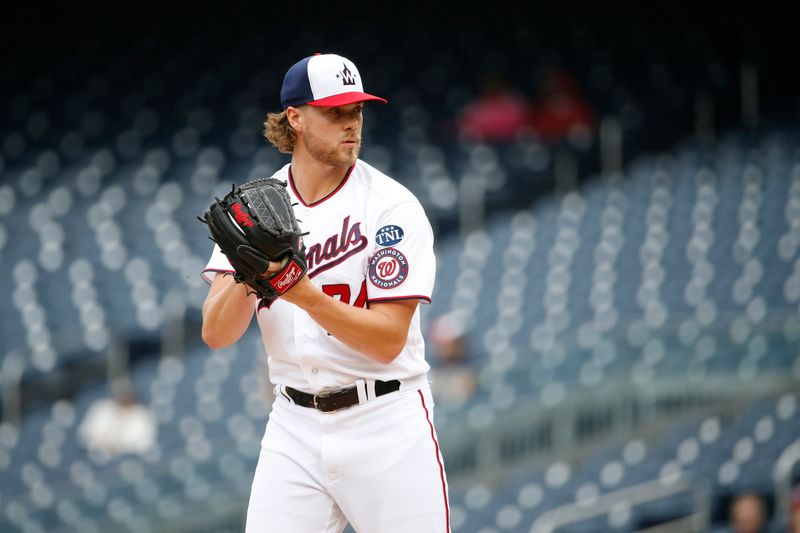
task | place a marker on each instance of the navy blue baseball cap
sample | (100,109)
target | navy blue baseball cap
(324,80)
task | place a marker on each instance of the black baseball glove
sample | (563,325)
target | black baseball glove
(253,225)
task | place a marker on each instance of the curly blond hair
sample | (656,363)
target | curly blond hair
(279,132)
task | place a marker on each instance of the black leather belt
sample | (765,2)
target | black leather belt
(338,399)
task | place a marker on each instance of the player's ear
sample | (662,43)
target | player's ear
(295,117)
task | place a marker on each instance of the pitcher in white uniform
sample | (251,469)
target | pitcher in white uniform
(350,437)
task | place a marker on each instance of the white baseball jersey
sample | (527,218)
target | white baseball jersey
(368,241)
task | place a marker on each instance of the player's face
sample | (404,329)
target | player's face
(333,134)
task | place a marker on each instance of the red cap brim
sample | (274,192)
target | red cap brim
(346,99)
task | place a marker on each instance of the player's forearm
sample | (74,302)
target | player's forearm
(369,331)
(227,313)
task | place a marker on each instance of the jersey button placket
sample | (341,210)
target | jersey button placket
(307,338)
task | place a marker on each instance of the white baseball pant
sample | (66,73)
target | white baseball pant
(376,465)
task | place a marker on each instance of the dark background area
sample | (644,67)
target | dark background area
(645,66)
(38,39)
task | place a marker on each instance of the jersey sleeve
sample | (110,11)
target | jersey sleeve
(218,263)
(402,265)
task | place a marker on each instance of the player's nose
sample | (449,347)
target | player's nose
(352,121)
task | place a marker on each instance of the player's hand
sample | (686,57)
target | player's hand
(295,294)
(274,266)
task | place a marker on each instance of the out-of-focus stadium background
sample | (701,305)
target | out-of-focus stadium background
(627,276)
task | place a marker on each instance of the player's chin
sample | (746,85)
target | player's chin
(349,155)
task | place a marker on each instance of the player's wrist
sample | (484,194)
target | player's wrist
(303,294)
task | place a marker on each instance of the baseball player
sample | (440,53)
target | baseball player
(350,436)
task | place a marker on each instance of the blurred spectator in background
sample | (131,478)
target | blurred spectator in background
(499,114)
(119,424)
(794,512)
(748,513)
(560,111)
(452,375)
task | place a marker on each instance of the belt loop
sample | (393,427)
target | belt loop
(370,385)
(361,388)
(282,390)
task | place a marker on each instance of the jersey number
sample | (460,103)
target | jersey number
(342,290)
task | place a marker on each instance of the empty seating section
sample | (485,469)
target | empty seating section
(671,270)
(638,277)
(210,415)
(730,454)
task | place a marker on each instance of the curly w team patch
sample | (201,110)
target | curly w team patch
(388,268)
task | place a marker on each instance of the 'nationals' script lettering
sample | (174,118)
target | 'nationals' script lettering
(336,248)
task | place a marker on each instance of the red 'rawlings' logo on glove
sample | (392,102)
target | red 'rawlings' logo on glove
(242,218)
(288,278)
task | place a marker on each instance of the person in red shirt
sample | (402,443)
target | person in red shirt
(499,114)
(561,110)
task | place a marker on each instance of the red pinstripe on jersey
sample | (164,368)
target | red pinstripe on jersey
(438,460)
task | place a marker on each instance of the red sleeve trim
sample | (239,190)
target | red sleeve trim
(425,299)
(217,270)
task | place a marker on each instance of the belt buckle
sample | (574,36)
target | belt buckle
(316,405)
(329,394)
(324,395)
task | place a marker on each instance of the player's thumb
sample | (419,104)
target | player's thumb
(257,260)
